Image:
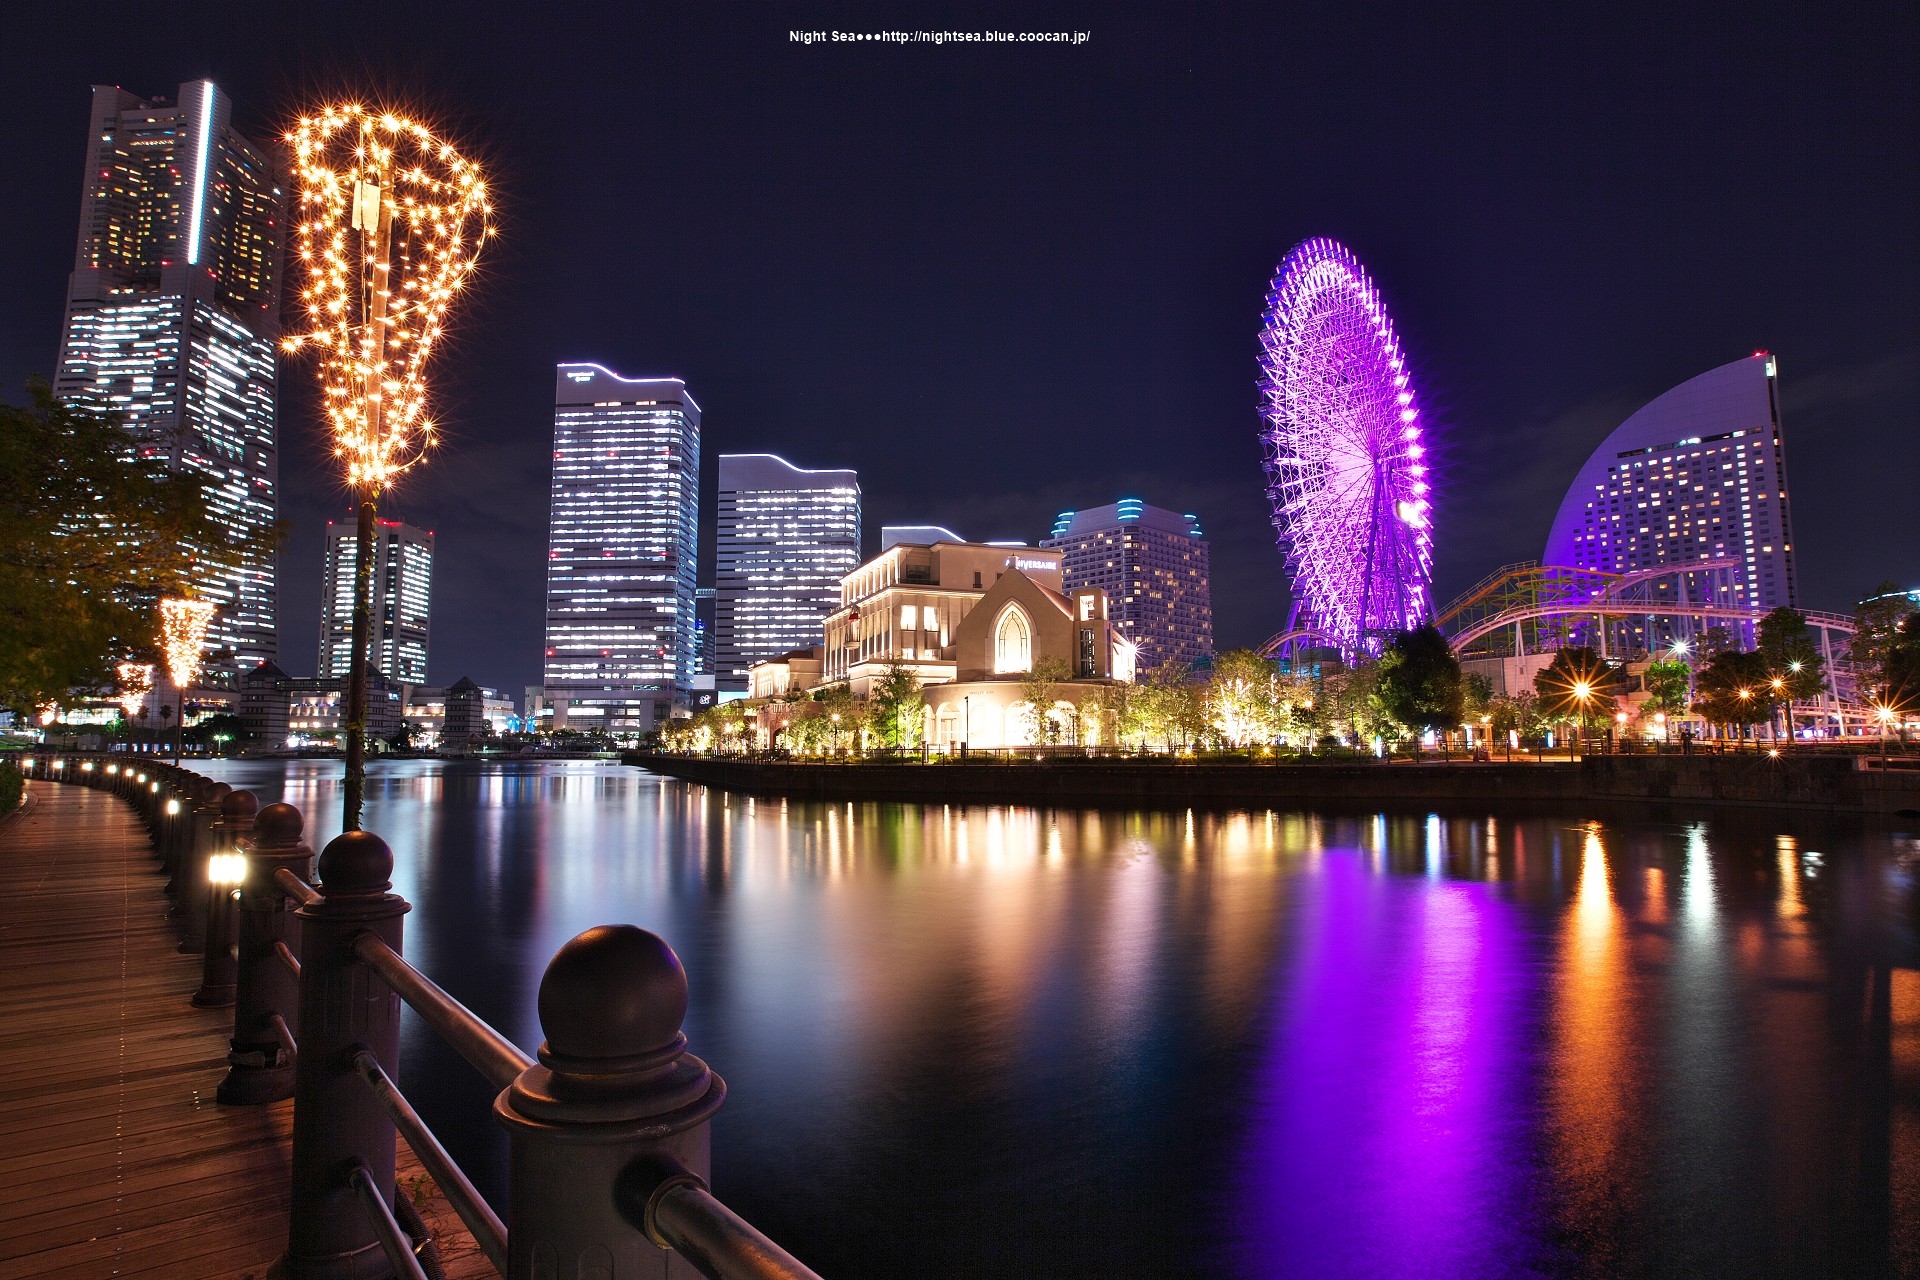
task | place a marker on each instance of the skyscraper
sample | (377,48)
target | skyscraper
(402,591)
(172,314)
(1697,478)
(786,537)
(621,551)
(1154,567)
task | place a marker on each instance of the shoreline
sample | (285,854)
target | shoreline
(1807,784)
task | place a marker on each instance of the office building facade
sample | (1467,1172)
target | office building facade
(402,593)
(1155,569)
(624,526)
(1697,479)
(785,538)
(171,321)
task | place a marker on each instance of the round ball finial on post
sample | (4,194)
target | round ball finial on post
(239,805)
(614,992)
(356,864)
(615,1092)
(278,825)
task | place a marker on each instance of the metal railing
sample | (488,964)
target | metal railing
(609,1124)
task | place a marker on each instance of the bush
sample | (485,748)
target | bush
(11,786)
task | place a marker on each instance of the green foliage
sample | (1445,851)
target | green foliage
(1039,690)
(1243,699)
(896,708)
(1669,683)
(89,536)
(1169,706)
(12,786)
(1516,713)
(1348,705)
(1791,654)
(1885,624)
(1732,689)
(1578,685)
(1420,684)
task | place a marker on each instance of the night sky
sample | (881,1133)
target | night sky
(1003,280)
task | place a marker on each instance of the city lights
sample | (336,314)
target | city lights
(375,303)
(183,628)
(1345,470)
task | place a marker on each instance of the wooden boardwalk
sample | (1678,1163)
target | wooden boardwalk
(114,1158)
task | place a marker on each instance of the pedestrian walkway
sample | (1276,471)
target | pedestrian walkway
(115,1159)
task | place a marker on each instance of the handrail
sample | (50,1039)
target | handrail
(284,1034)
(682,1215)
(492,1054)
(296,888)
(488,1231)
(286,956)
(394,1242)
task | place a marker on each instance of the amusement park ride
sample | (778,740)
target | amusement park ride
(1348,479)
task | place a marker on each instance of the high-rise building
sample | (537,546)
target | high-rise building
(173,310)
(785,538)
(621,552)
(1696,479)
(402,591)
(1154,567)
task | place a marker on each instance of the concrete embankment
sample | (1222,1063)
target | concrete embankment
(1833,784)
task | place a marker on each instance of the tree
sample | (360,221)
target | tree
(1039,689)
(1792,656)
(1420,681)
(1732,689)
(1577,684)
(1669,684)
(1883,622)
(896,708)
(1243,698)
(91,532)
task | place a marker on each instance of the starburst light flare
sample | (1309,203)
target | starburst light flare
(183,628)
(136,682)
(390,222)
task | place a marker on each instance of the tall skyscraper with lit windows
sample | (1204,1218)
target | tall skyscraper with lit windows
(173,310)
(785,538)
(1154,566)
(624,529)
(402,594)
(1696,480)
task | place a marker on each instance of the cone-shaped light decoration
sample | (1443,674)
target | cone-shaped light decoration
(389,224)
(136,682)
(183,628)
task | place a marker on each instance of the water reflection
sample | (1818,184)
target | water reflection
(1006,1041)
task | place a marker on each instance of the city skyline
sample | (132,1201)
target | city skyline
(402,601)
(1154,566)
(172,312)
(1041,308)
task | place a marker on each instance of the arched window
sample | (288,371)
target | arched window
(1012,642)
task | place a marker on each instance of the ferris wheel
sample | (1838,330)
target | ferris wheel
(1347,473)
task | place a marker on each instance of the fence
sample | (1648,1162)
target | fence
(608,1125)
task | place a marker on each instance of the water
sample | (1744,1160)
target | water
(1017,1042)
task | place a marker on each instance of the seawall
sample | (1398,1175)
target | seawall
(1832,784)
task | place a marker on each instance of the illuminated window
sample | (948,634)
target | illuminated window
(1012,642)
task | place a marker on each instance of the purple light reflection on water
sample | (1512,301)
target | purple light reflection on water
(1390,1115)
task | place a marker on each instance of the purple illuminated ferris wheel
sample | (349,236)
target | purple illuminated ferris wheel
(1346,468)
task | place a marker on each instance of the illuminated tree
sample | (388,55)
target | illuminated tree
(1578,685)
(389,224)
(896,708)
(1420,682)
(1732,689)
(1669,684)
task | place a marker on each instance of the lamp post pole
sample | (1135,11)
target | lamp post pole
(378,244)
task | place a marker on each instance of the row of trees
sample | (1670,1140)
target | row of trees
(1415,687)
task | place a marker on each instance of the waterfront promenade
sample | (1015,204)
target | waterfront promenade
(114,1157)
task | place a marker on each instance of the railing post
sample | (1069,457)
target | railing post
(199,820)
(615,1089)
(217,975)
(344,1007)
(191,876)
(259,1069)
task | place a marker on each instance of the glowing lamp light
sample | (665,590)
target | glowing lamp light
(59,765)
(1745,694)
(113,768)
(1582,690)
(173,808)
(87,767)
(154,787)
(227,869)
(183,630)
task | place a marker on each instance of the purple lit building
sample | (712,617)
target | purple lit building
(1696,478)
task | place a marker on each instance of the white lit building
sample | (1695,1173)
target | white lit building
(624,525)
(1154,567)
(785,538)
(402,591)
(1698,476)
(173,310)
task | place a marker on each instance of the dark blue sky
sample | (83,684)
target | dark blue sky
(1002,280)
